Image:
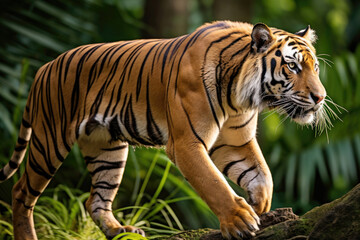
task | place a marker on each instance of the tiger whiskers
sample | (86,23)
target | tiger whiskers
(323,117)
(285,104)
(284,113)
(288,107)
(325,60)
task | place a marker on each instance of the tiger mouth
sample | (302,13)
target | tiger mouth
(298,113)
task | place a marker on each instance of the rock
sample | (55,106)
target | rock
(339,219)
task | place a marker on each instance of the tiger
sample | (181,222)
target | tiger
(199,95)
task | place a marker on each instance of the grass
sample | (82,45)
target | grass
(60,213)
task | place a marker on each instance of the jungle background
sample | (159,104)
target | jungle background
(308,169)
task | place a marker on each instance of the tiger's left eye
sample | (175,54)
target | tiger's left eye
(292,65)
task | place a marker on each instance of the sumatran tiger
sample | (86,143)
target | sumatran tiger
(199,94)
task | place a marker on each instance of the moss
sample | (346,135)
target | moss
(191,234)
(336,220)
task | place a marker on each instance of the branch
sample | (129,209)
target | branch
(339,219)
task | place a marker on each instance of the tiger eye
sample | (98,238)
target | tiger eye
(291,65)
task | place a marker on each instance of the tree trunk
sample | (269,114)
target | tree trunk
(165,18)
(339,219)
(234,10)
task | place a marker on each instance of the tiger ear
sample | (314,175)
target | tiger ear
(308,34)
(262,37)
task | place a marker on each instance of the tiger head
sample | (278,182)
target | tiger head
(289,77)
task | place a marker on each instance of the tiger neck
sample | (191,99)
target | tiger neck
(238,72)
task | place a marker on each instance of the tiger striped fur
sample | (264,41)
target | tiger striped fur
(198,94)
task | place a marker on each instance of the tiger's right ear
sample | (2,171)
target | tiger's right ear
(262,38)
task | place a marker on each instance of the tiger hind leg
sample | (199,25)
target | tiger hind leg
(42,163)
(105,161)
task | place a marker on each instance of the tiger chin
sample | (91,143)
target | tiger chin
(199,94)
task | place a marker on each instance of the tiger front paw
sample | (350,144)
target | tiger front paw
(241,220)
(260,196)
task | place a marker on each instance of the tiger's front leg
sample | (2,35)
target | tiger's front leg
(238,156)
(187,148)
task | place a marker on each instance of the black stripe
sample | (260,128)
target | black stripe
(179,40)
(111,166)
(244,173)
(229,87)
(218,73)
(22,141)
(36,167)
(152,128)
(88,159)
(109,105)
(91,125)
(135,54)
(114,129)
(232,43)
(213,149)
(22,201)
(244,124)
(269,88)
(105,185)
(252,179)
(193,130)
(115,148)
(25,123)
(156,55)
(230,164)
(232,78)
(106,54)
(291,43)
(107,162)
(31,190)
(100,208)
(2,175)
(101,197)
(13,165)
(211,104)
(191,41)
(62,109)
(263,73)
(131,125)
(20,148)
(239,51)
(164,59)
(273,80)
(48,109)
(40,148)
(285,74)
(76,87)
(139,79)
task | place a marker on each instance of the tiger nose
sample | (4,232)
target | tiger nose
(317,98)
